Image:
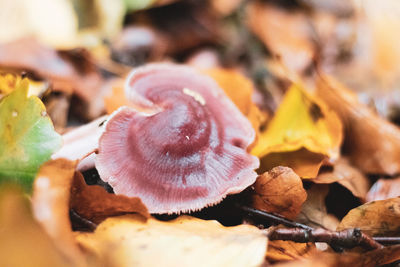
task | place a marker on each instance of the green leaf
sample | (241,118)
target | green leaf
(27,136)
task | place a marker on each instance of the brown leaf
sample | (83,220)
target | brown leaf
(285,33)
(68,71)
(384,189)
(23,242)
(377,257)
(57,188)
(279,191)
(313,212)
(346,175)
(302,161)
(372,143)
(96,204)
(380,217)
(51,193)
(279,250)
(186,241)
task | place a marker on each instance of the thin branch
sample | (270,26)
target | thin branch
(349,238)
(384,240)
(303,233)
(81,220)
(272,218)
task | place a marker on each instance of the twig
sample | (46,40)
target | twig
(349,238)
(273,218)
(384,240)
(302,233)
(81,220)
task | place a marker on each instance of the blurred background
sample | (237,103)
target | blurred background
(80,48)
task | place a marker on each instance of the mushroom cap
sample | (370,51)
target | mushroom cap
(181,146)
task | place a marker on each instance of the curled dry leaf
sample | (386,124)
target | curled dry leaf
(182,147)
(23,242)
(96,204)
(279,191)
(372,143)
(314,212)
(301,121)
(377,257)
(185,241)
(384,189)
(286,34)
(51,194)
(279,250)
(346,175)
(380,217)
(68,71)
(303,162)
(59,188)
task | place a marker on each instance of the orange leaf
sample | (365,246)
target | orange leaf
(279,191)
(372,143)
(96,204)
(117,97)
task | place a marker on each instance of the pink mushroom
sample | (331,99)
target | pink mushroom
(182,147)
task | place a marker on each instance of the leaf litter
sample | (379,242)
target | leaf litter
(307,89)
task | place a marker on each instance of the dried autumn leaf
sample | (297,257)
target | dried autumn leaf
(380,217)
(377,257)
(27,136)
(51,194)
(59,188)
(185,241)
(384,189)
(314,212)
(382,54)
(279,250)
(303,162)
(68,71)
(96,204)
(285,33)
(116,98)
(23,242)
(346,175)
(301,121)
(280,191)
(372,143)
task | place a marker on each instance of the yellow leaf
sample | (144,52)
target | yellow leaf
(186,241)
(301,122)
(9,81)
(23,242)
